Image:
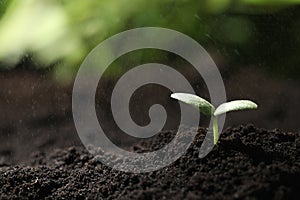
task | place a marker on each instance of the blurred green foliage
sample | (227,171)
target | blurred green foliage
(63,32)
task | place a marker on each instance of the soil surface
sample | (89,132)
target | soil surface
(247,163)
(42,157)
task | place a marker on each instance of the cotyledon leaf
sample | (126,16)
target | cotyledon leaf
(235,105)
(204,106)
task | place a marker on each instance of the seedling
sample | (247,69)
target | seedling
(208,109)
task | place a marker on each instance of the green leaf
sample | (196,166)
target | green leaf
(204,106)
(235,105)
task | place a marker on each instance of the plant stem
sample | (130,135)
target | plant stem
(215,129)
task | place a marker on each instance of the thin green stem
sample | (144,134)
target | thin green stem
(215,129)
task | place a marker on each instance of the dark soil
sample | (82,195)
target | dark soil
(248,163)
(41,155)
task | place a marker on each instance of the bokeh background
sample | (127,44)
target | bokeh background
(255,44)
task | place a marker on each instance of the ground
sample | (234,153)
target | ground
(41,155)
(247,163)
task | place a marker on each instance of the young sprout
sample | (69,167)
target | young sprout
(208,109)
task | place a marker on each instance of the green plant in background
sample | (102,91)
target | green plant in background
(62,33)
(208,109)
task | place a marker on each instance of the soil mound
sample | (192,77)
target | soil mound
(247,163)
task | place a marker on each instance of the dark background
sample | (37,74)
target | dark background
(255,44)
